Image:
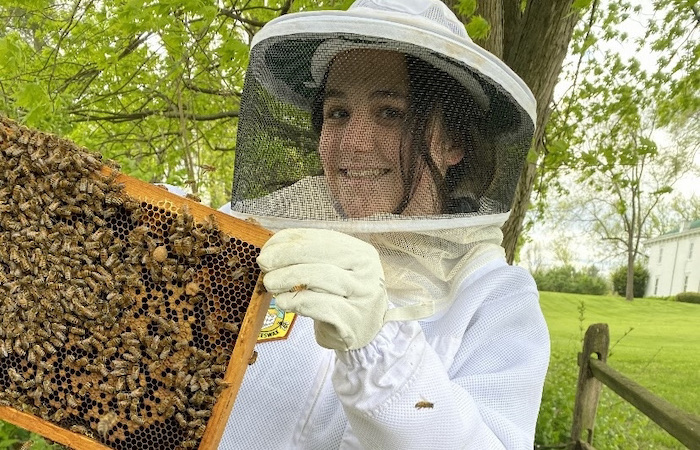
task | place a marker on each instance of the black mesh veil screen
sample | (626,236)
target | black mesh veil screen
(347,128)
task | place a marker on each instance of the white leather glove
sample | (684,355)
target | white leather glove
(335,279)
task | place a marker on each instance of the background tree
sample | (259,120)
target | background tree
(532,37)
(670,215)
(632,66)
(626,126)
(154,86)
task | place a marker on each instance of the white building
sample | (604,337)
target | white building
(674,261)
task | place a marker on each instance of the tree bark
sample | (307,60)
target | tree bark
(492,11)
(629,288)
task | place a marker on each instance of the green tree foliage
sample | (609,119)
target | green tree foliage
(641,278)
(567,278)
(621,131)
(154,86)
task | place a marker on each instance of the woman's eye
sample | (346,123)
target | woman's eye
(391,113)
(336,113)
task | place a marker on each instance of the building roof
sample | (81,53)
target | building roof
(686,229)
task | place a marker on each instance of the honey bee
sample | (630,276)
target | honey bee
(253,358)
(135,372)
(131,383)
(218,368)
(137,419)
(74,321)
(238,273)
(210,325)
(132,342)
(211,250)
(178,403)
(196,423)
(15,376)
(109,352)
(193,197)
(55,341)
(39,351)
(423,404)
(105,387)
(253,221)
(230,326)
(82,362)
(106,423)
(79,429)
(181,420)
(298,288)
(198,234)
(70,400)
(113,199)
(50,349)
(183,246)
(189,443)
(137,393)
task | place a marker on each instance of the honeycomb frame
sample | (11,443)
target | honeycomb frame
(147,356)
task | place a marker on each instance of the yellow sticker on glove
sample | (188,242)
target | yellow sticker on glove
(277,324)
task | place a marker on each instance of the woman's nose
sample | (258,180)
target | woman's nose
(359,133)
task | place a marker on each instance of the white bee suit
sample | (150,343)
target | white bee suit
(481,366)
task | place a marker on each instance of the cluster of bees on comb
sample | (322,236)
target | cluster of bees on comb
(117,317)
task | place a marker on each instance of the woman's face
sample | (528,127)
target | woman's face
(364,145)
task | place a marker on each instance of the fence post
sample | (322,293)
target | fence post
(596,341)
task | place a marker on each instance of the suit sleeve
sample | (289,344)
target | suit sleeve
(398,393)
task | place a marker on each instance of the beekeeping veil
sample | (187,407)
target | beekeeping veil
(367,146)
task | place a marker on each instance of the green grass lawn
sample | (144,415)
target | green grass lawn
(654,342)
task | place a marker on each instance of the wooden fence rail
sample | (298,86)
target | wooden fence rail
(594,373)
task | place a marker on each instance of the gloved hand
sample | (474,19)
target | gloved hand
(335,279)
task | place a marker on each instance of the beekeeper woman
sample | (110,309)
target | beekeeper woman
(384,147)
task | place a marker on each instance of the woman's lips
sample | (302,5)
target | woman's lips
(363,173)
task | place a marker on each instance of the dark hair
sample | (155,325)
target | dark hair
(435,95)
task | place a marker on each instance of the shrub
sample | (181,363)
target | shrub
(641,277)
(568,279)
(688,297)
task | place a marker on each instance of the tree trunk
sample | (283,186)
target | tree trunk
(629,287)
(534,44)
